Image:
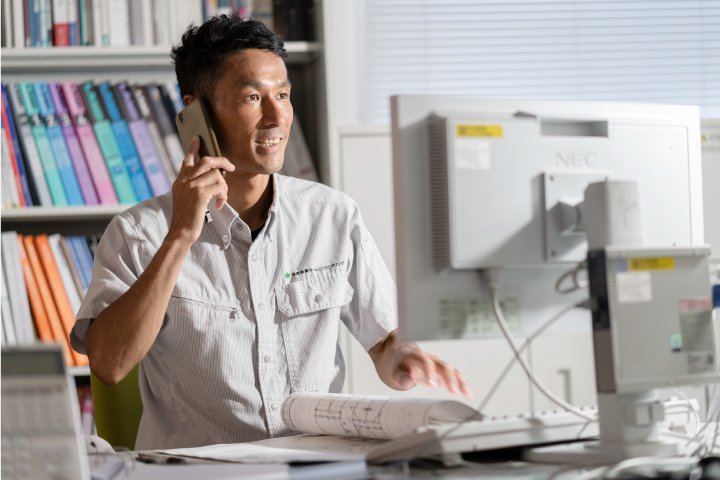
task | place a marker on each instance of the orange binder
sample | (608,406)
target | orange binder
(42,324)
(52,314)
(67,317)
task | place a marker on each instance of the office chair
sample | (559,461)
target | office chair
(118,409)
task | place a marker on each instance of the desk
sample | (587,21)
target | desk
(509,470)
(506,471)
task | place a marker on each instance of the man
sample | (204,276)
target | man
(228,318)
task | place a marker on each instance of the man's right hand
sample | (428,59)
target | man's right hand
(193,189)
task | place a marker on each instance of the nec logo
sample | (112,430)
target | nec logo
(576,160)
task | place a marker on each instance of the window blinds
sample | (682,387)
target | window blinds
(610,50)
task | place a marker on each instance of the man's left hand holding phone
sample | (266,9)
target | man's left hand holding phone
(196,184)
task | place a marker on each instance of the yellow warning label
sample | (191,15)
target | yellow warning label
(661,263)
(465,130)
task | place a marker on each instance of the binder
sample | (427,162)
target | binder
(146,113)
(166,126)
(95,161)
(36,175)
(57,142)
(42,141)
(53,317)
(17,289)
(72,265)
(8,327)
(125,142)
(80,261)
(42,324)
(73,144)
(156,175)
(65,312)
(108,145)
(22,170)
(10,181)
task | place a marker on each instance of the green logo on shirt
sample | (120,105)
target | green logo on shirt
(307,270)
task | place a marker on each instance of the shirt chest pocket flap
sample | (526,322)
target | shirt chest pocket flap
(312,308)
(310,296)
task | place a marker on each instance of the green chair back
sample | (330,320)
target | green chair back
(118,409)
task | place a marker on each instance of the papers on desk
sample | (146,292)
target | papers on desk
(110,467)
(368,416)
(107,467)
(276,450)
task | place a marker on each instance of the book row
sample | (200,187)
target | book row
(88,144)
(44,279)
(122,23)
(99,144)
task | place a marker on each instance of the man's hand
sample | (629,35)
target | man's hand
(403,365)
(192,191)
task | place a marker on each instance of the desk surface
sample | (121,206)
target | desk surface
(506,471)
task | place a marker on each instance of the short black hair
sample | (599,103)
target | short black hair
(203,48)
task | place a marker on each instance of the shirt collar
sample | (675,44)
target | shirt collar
(223,219)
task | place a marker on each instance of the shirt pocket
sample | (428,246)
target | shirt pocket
(310,314)
(199,344)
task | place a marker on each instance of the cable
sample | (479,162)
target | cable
(491,278)
(573,273)
(711,412)
(522,348)
(551,396)
(477,414)
(696,414)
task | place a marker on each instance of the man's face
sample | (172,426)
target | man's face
(252,113)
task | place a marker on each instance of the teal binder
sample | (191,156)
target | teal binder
(47,158)
(57,142)
(108,145)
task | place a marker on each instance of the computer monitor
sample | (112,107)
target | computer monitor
(490,185)
(478,182)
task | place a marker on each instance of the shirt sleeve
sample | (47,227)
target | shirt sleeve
(114,270)
(371,314)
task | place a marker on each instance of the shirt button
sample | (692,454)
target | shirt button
(267,358)
(262,306)
(225,238)
(274,406)
(319,298)
(254,258)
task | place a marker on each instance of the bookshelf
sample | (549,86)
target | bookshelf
(99,59)
(62,214)
(136,64)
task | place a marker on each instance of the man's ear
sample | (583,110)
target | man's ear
(187,99)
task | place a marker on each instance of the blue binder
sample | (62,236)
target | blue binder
(57,142)
(125,143)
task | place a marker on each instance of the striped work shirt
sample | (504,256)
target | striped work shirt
(248,323)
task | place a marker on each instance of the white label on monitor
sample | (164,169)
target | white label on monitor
(633,287)
(472,153)
(474,316)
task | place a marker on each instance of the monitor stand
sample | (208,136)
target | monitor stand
(629,428)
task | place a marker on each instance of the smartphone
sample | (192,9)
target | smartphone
(194,120)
